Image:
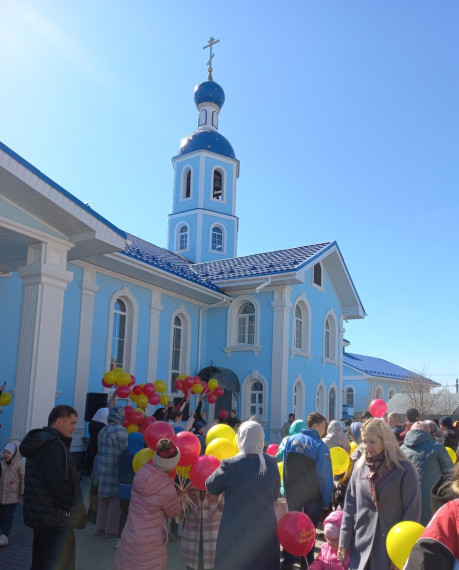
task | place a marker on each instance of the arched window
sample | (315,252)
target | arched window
(391,393)
(320,399)
(330,338)
(217,239)
(349,397)
(331,404)
(187,188)
(301,326)
(298,328)
(378,393)
(179,348)
(298,399)
(317,271)
(246,324)
(176,350)
(217,185)
(118,335)
(182,238)
(257,400)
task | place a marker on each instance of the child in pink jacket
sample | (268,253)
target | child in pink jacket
(327,557)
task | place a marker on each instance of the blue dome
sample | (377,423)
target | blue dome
(209,92)
(211,141)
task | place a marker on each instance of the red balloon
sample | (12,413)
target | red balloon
(189,381)
(212,398)
(296,533)
(377,408)
(197,380)
(155,399)
(128,411)
(204,386)
(157,431)
(136,417)
(132,382)
(189,446)
(172,474)
(178,384)
(219,391)
(201,469)
(272,449)
(149,389)
(137,390)
(105,385)
(123,391)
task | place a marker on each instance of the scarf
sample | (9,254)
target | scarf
(378,469)
(250,440)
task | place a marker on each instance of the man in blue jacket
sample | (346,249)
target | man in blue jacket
(308,476)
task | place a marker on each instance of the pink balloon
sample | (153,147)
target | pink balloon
(272,449)
(201,469)
(189,446)
(123,391)
(219,391)
(155,399)
(157,431)
(178,384)
(378,408)
(105,385)
(212,398)
(189,381)
(296,533)
(149,389)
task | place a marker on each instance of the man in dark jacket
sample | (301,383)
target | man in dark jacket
(53,504)
(308,476)
(450,432)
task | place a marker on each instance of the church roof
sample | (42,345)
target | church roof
(259,264)
(205,139)
(380,368)
(164,259)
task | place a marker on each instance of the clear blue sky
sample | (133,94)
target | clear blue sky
(344,115)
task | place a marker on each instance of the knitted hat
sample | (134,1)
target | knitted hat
(446,421)
(11,447)
(167,455)
(199,425)
(116,415)
(424,426)
(332,525)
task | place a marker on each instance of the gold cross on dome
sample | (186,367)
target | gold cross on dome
(212,42)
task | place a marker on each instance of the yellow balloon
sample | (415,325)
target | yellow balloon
(354,446)
(5,399)
(117,370)
(164,400)
(131,428)
(182,376)
(450,451)
(123,379)
(183,471)
(196,388)
(235,441)
(221,448)
(339,459)
(139,410)
(212,384)
(220,430)
(110,377)
(160,386)
(400,540)
(280,466)
(141,457)
(142,401)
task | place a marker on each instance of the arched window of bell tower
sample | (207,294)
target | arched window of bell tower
(186,183)
(202,117)
(182,238)
(217,185)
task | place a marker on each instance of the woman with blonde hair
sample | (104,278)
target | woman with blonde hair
(383,491)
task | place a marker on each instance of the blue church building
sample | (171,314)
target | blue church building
(79,296)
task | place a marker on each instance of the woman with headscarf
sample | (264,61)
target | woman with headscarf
(12,471)
(247,539)
(97,423)
(112,441)
(383,491)
(336,437)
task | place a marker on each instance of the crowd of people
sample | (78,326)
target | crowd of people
(398,471)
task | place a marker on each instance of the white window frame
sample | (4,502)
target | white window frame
(222,171)
(391,393)
(180,227)
(232,344)
(246,392)
(185,171)
(379,393)
(330,335)
(298,397)
(335,411)
(351,390)
(320,403)
(184,357)
(223,238)
(305,349)
(313,283)
(131,327)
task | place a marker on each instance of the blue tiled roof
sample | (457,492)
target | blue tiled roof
(379,367)
(273,262)
(164,259)
(56,186)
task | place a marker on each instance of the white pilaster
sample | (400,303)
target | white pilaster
(279,380)
(155,314)
(88,293)
(44,281)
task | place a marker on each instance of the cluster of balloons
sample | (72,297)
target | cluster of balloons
(220,444)
(141,394)
(135,419)
(194,385)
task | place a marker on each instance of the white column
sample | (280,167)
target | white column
(279,377)
(155,314)
(44,281)
(340,356)
(88,293)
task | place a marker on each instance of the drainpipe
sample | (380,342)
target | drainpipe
(263,285)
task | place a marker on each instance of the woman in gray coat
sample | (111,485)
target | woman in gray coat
(383,491)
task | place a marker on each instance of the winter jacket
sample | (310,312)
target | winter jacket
(144,539)
(111,441)
(364,528)
(308,476)
(52,494)
(431,461)
(336,437)
(438,547)
(126,472)
(12,479)
(451,438)
(327,559)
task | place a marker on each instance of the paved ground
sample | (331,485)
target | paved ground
(93,552)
